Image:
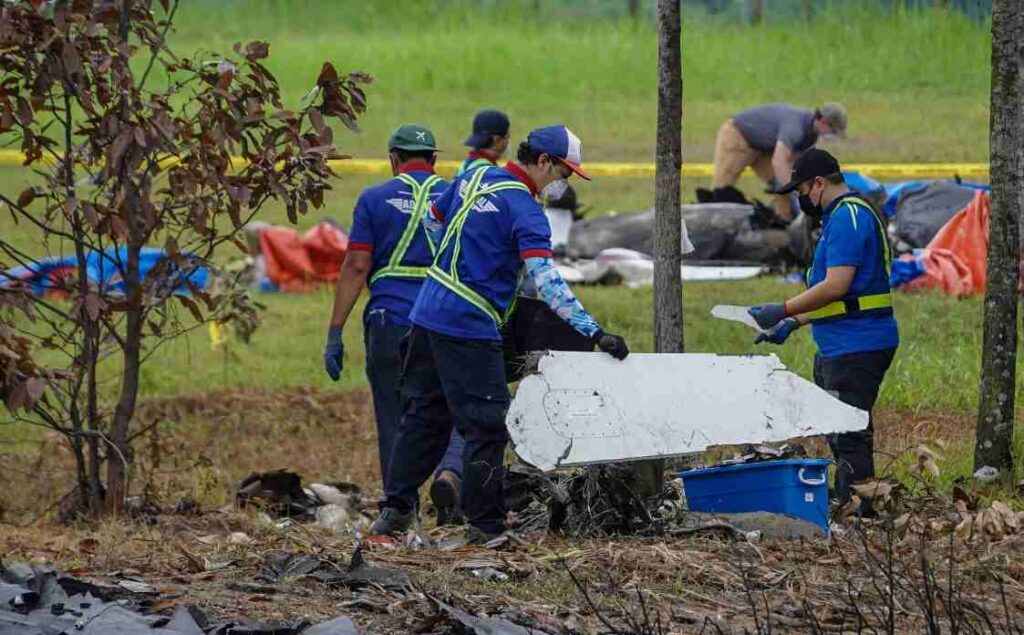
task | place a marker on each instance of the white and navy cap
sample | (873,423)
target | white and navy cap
(559,142)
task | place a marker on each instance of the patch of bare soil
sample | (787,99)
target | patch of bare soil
(927,563)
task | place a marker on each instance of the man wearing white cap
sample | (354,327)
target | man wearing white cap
(492,228)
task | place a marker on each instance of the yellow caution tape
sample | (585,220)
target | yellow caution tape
(881,171)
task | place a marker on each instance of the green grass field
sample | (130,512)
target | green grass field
(915,84)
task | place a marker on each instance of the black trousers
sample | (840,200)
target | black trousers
(854,379)
(450,381)
(383,341)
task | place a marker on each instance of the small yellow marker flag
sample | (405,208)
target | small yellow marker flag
(218,334)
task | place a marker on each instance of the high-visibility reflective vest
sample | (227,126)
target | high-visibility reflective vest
(453,238)
(420,199)
(876,303)
(475,164)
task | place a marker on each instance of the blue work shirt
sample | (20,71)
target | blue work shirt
(379,219)
(850,237)
(502,230)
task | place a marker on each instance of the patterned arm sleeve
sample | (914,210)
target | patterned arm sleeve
(557,294)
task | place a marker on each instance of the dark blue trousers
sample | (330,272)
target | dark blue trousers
(448,382)
(383,341)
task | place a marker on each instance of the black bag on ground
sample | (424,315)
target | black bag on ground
(922,212)
(533,326)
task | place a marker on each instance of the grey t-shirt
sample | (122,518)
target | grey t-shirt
(763,126)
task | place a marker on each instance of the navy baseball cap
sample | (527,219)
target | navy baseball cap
(560,142)
(487,124)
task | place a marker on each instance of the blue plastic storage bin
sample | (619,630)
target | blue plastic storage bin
(795,487)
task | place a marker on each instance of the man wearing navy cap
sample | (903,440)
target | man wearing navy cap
(488,141)
(847,303)
(492,229)
(390,250)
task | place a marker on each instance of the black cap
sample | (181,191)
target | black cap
(813,163)
(487,124)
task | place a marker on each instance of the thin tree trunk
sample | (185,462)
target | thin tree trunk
(994,443)
(668,298)
(668,291)
(757,11)
(131,346)
(634,8)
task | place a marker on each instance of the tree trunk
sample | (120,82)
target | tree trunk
(118,456)
(757,11)
(668,290)
(668,294)
(634,8)
(994,443)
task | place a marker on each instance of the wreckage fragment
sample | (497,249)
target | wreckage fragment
(583,408)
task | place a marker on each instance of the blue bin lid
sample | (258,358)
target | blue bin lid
(757,465)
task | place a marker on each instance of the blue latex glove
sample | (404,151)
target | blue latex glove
(768,315)
(334,353)
(779,333)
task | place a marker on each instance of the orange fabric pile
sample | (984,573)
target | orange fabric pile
(299,263)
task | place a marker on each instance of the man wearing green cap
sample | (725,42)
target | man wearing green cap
(389,249)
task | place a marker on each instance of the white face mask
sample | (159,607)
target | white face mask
(554,190)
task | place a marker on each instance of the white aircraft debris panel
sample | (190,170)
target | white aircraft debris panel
(582,408)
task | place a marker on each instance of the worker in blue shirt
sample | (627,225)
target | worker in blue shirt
(389,249)
(492,231)
(488,141)
(848,305)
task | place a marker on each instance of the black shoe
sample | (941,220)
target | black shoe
(477,537)
(392,521)
(444,493)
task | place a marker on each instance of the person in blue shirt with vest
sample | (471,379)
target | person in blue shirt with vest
(492,232)
(488,142)
(848,305)
(389,249)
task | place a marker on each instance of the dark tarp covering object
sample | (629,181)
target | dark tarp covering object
(922,212)
(718,231)
(710,226)
(37,600)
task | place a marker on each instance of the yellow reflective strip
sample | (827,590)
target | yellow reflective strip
(879,301)
(399,272)
(866,303)
(465,293)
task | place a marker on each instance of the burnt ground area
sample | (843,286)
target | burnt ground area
(953,561)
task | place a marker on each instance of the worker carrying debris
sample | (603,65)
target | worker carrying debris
(390,249)
(490,231)
(848,304)
(488,141)
(768,139)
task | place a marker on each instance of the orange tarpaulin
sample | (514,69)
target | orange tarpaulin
(298,263)
(956,260)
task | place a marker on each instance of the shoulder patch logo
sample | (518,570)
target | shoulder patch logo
(403,205)
(484,204)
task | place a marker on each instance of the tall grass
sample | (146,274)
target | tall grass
(915,82)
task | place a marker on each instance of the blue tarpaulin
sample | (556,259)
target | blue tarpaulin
(104,270)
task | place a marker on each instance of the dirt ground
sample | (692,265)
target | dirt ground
(927,559)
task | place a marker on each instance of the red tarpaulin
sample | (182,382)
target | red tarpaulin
(956,260)
(298,263)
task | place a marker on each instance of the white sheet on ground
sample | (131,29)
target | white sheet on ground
(582,408)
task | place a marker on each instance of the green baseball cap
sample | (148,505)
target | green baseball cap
(412,136)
